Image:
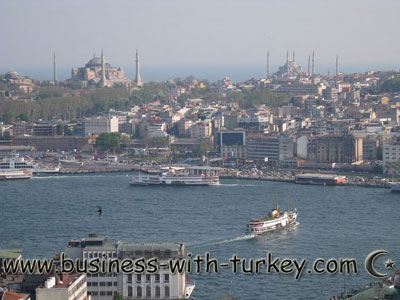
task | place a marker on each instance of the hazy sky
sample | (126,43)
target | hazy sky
(215,34)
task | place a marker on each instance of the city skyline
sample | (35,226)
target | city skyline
(208,35)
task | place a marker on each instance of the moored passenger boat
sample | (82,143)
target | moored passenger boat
(200,175)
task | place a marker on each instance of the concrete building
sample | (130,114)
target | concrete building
(163,284)
(103,286)
(231,143)
(183,127)
(339,149)
(391,157)
(44,129)
(64,287)
(263,148)
(101,125)
(200,130)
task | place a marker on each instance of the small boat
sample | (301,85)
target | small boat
(275,220)
(394,186)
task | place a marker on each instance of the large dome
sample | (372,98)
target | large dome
(94,62)
(12,75)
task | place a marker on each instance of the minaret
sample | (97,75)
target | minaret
(293,56)
(267,64)
(138,80)
(54,68)
(287,64)
(313,64)
(309,66)
(337,65)
(103,71)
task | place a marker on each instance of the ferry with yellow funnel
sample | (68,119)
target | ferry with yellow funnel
(275,220)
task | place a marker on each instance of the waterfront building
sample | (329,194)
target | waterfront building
(103,286)
(231,143)
(339,149)
(391,157)
(263,148)
(63,287)
(101,125)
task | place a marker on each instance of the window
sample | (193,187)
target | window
(158,293)
(148,278)
(115,283)
(166,277)
(139,292)
(95,283)
(166,291)
(109,293)
(157,278)
(139,278)
(130,291)
(148,291)
(129,278)
(109,283)
(102,293)
(102,283)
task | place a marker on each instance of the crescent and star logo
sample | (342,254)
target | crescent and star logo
(370,266)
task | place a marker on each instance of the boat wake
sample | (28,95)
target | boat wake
(235,184)
(66,176)
(225,241)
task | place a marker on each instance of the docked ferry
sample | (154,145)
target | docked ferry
(275,220)
(16,163)
(200,175)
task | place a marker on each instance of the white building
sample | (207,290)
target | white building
(103,286)
(391,157)
(66,287)
(164,284)
(101,125)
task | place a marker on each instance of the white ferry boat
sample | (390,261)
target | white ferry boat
(394,186)
(179,176)
(16,174)
(273,221)
(16,163)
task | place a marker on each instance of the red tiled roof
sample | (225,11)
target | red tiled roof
(13,296)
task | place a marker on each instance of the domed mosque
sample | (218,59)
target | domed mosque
(99,73)
(290,69)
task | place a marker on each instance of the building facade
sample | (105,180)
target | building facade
(101,125)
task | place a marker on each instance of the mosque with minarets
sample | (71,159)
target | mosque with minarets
(99,73)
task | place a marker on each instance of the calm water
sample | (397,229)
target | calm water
(42,214)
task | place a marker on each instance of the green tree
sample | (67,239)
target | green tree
(118,296)
(108,141)
(200,150)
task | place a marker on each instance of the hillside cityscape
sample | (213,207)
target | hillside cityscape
(291,119)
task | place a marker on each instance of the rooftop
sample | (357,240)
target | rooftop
(10,253)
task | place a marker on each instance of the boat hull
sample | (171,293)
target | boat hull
(261,226)
(171,181)
(395,187)
(13,175)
